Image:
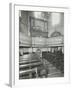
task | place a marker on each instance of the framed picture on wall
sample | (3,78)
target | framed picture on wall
(39,49)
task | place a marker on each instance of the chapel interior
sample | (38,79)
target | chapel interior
(41,44)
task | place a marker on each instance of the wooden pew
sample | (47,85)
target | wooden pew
(57,59)
(28,61)
(28,66)
(28,73)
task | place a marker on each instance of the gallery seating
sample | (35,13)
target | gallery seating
(56,58)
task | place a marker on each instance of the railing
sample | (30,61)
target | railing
(27,41)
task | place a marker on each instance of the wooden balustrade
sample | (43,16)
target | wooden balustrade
(27,41)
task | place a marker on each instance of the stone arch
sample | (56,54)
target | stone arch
(55,34)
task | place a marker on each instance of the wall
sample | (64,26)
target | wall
(56,23)
(23,25)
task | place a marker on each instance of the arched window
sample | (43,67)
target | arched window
(55,34)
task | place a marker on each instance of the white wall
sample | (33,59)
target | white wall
(56,23)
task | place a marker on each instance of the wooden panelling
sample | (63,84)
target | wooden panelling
(55,41)
(47,42)
(41,41)
(38,42)
(39,24)
(38,33)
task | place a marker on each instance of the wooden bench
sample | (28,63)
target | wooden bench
(28,65)
(27,61)
(28,68)
(28,73)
